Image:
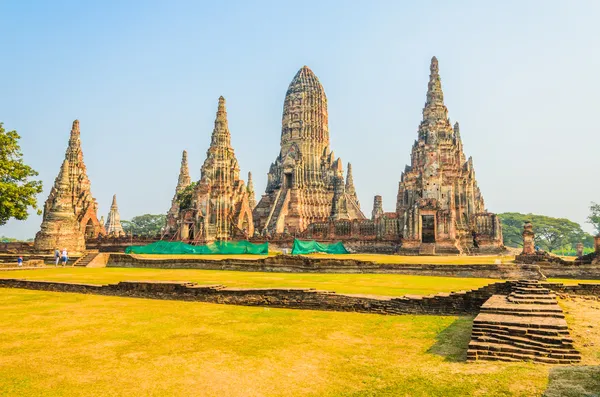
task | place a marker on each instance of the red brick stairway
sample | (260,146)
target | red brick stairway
(526,325)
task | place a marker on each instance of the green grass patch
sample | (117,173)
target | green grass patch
(59,344)
(371,284)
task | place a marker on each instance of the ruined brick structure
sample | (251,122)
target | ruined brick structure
(183,182)
(439,204)
(219,207)
(70,212)
(113,224)
(306,182)
(528,239)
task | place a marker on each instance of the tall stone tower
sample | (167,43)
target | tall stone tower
(439,204)
(303,179)
(251,194)
(113,223)
(183,182)
(60,229)
(72,187)
(219,208)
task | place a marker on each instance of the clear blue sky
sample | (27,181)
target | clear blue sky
(143,77)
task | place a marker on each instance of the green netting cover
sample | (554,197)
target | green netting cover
(308,247)
(216,248)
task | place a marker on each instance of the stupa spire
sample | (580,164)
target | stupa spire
(113,222)
(221,137)
(434,106)
(251,194)
(184,174)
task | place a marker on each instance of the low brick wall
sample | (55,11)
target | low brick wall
(26,264)
(301,264)
(570,270)
(454,303)
(578,289)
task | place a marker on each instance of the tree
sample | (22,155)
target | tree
(145,225)
(594,217)
(184,198)
(17,192)
(551,234)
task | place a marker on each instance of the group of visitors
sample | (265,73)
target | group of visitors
(60,256)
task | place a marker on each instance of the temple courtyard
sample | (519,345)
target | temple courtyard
(80,344)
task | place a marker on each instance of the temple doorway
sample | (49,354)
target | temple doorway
(287,180)
(428,229)
(89,229)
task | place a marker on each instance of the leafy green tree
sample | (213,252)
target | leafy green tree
(594,217)
(185,196)
(17,192)
(551,234)
(145,225)
(4,239)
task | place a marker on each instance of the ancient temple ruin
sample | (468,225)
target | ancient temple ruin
(440,206)
(113,223)
(306,182)
(183,182)
(217,207)
(70,194)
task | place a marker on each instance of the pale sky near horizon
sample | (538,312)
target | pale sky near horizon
(144,77)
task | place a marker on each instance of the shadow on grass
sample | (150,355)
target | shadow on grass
(576,381)
(453,342)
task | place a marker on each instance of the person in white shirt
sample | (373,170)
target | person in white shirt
(64,256)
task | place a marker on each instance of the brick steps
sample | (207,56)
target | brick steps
(86,259)
(525,344)
(526,325)
(492,355)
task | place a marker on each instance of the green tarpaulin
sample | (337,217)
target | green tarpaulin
(216,248)
(308,247)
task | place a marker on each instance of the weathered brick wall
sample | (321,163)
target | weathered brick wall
(455,303)
(578,289)
(570,270)
(301,264)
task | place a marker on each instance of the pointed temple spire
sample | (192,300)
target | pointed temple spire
(71,189)
(350,181)
(184,174)
(113,222)
(60,229)
(434,110)
(221,136)
(183,182)
(220,208)
(251,194)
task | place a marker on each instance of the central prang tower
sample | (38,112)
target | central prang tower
(306,182)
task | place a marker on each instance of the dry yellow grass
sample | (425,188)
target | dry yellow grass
(58,344)
(373,284)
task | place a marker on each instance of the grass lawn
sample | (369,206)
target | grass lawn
(373,284)
(61,344)
(397,259)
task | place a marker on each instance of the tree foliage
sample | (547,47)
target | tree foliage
(145,225)
(594,217)
(184,198)
(17,192)
(551,234)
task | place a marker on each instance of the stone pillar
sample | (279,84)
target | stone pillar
(528,239)
(597,244)
(579,250)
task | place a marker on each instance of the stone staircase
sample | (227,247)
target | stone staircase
(86,258)
(427,249)
(526,325)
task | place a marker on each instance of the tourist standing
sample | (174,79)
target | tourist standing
(20,262)
(65,257)
(56,257)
